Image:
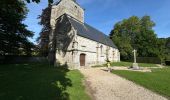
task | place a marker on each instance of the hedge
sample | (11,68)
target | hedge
(167,62)
(154,60)
(21,59)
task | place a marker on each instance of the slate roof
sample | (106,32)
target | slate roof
(89,32)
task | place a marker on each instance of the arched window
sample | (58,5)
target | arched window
(113,54)
(101,49)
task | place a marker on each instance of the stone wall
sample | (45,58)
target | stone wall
(80,45)
(95,54)
(67,7)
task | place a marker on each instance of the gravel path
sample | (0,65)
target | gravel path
(102,85)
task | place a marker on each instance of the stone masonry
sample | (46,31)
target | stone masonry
(72,47)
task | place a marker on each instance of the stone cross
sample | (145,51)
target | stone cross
(134,51)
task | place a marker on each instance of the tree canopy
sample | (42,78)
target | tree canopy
(13,32)
(137,33)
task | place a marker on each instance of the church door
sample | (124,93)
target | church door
(82,59)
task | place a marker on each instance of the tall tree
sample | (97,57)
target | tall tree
(44,34)
(123,36)
(13,33)
(135,33)
(146,39)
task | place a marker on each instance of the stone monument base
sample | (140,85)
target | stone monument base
(135,66)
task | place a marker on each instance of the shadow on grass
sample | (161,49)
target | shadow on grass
(61,83)
(34,82)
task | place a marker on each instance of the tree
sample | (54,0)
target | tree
(44,34)
(146,39)
(135,33)
(161,46)
(13,33)
(123,36)
(167,51)
(122,40)
(37,1)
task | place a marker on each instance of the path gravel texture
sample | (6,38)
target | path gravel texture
(102,85)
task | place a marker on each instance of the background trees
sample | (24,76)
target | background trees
(13,33)
(167,49)
(137,33)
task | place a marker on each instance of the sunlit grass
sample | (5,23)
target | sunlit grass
(128,64)
(158,80)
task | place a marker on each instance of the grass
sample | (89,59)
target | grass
(130,64)
(40,82)
(127,64)
(158,80)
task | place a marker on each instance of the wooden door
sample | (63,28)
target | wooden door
(82,59)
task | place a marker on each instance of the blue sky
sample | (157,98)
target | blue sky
(103,14)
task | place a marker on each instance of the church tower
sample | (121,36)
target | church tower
(69,7)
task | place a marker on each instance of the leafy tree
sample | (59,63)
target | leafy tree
(168,43)
(161,46)
(146,39)
(167,51)
(123,36)
(13,33)
(135,33)
(122,40)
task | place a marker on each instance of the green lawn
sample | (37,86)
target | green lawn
(130,64)
(127,64)
(158,80)
(40,82)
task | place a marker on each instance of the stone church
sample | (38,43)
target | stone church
(76,43)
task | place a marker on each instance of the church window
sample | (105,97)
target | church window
(113,54)
(101,49)
(73,46)
(83,46)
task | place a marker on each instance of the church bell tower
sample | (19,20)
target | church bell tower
(69,7)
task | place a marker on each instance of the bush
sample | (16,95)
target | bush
(22,59)
(167,62)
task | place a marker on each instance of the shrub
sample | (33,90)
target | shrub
(167,62)
(154,60)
